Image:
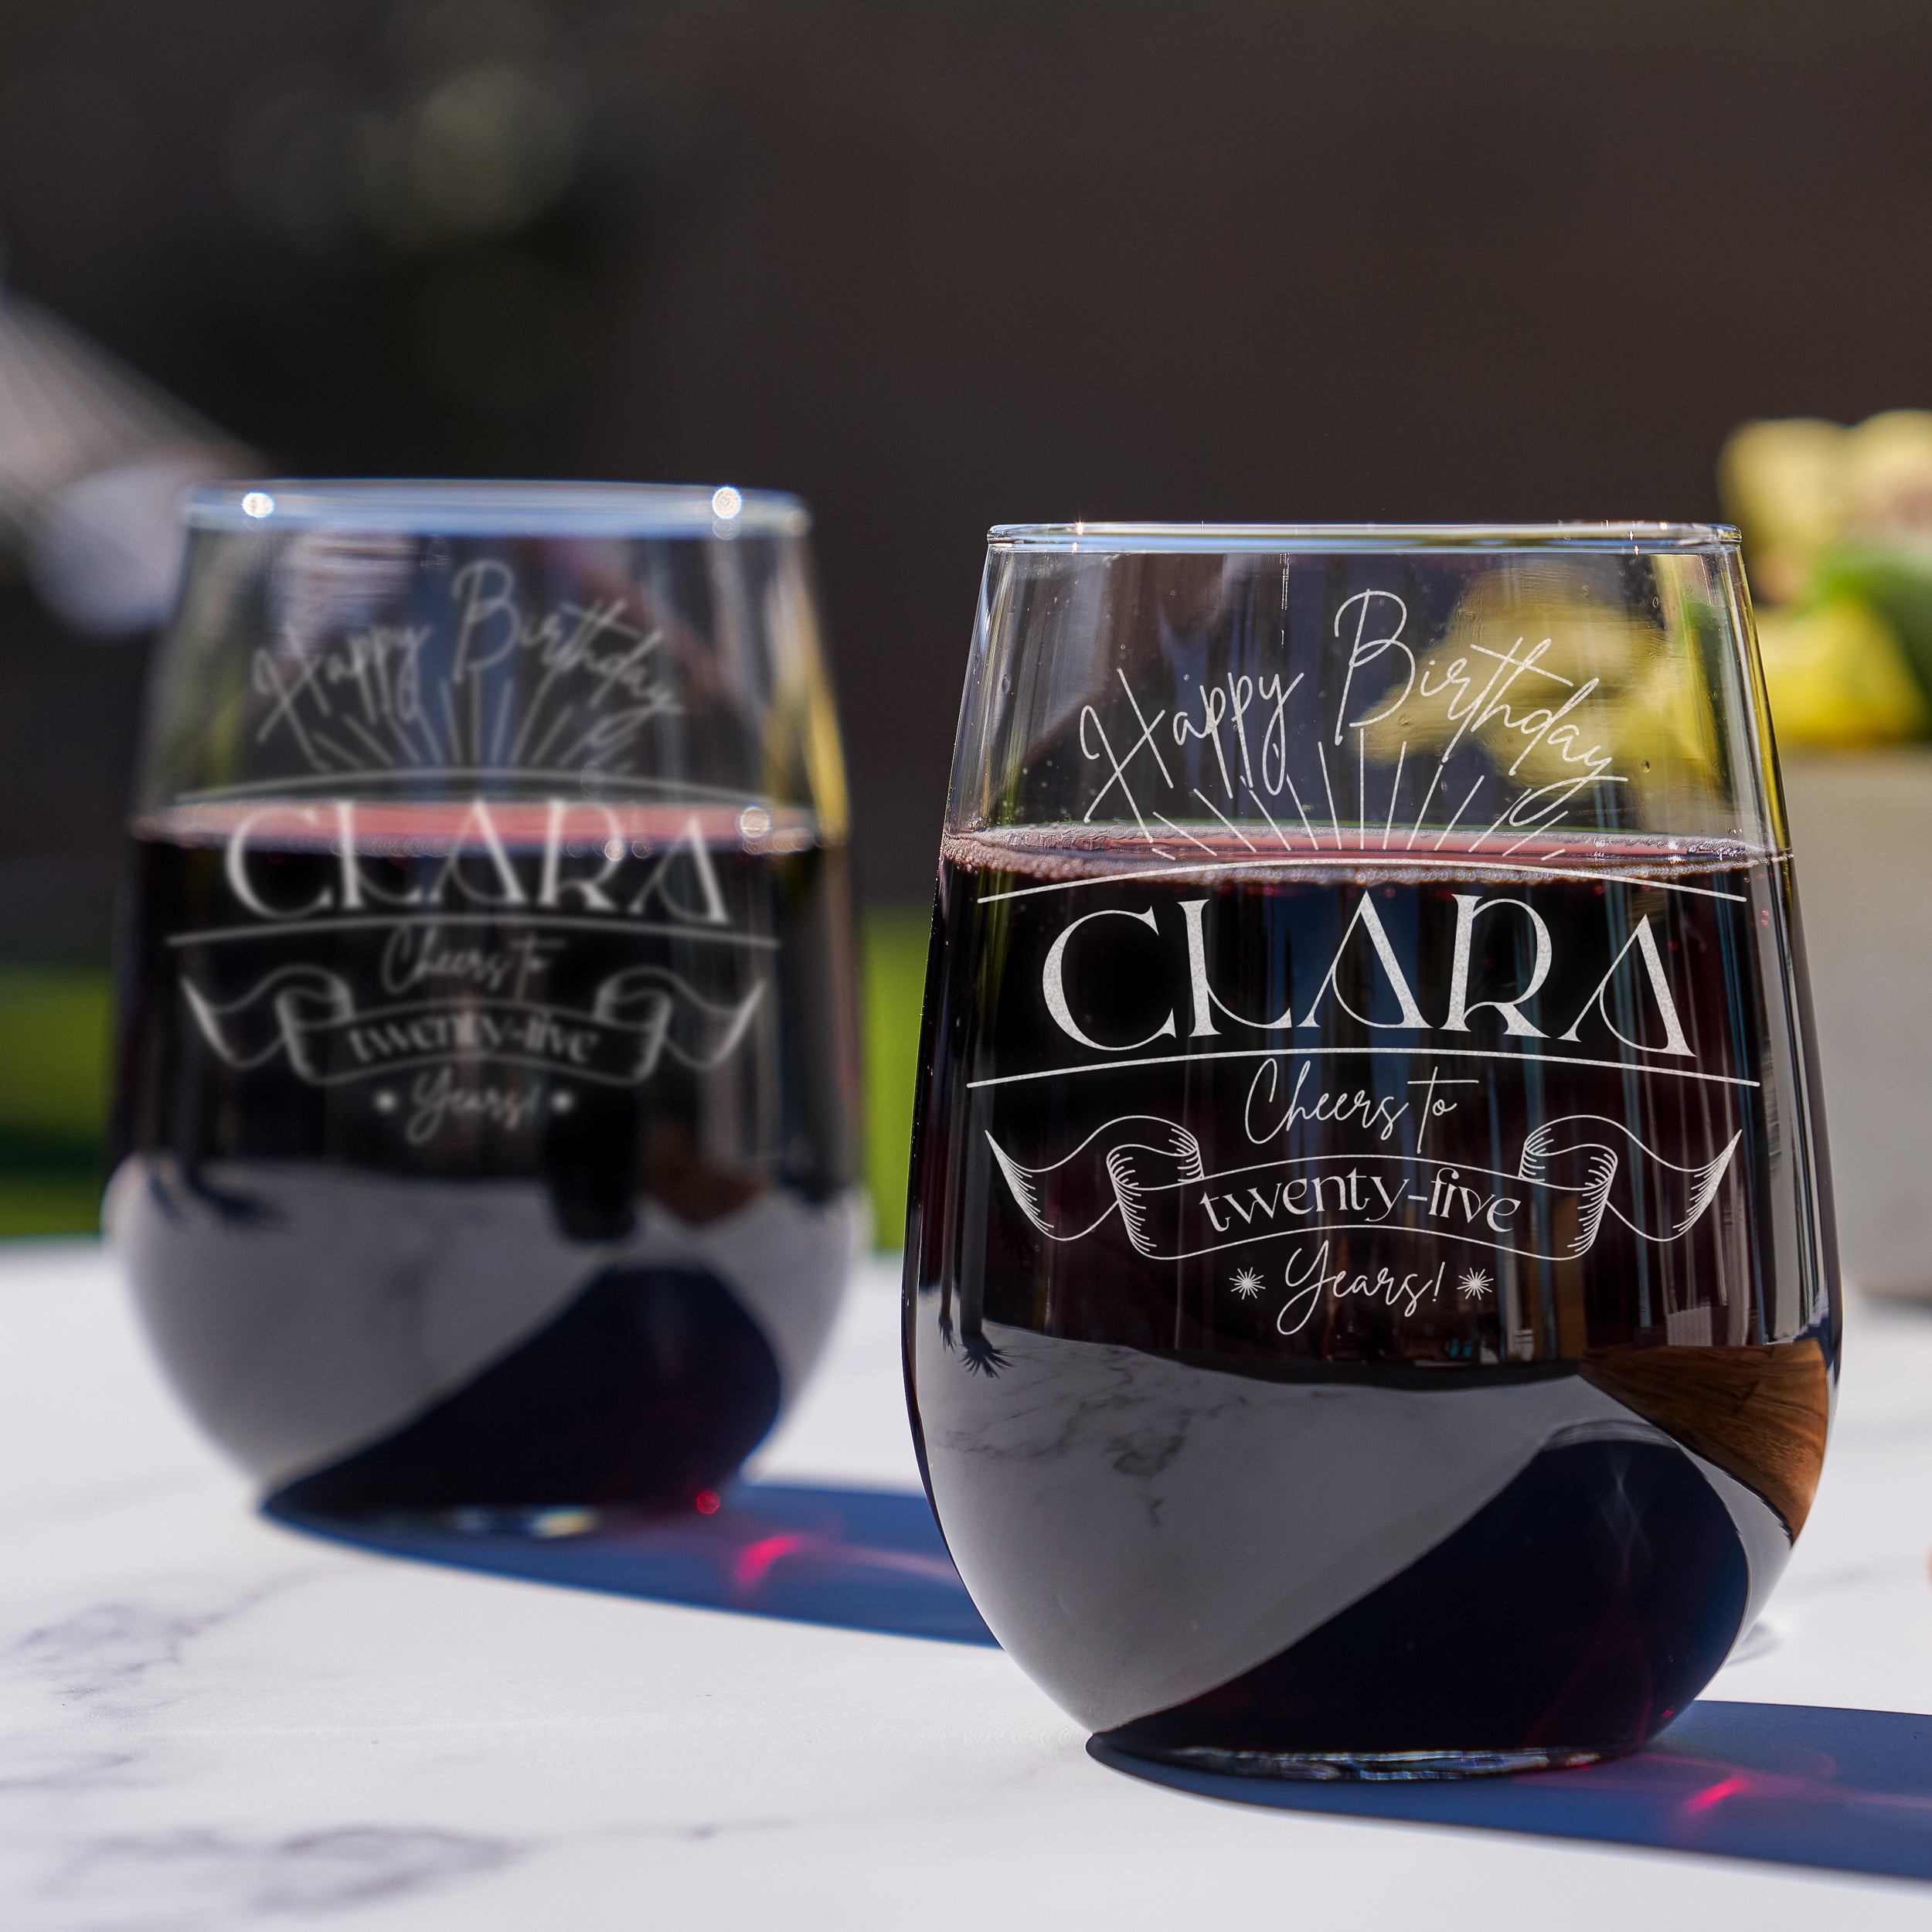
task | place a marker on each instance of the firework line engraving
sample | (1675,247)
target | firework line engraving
(1434,781)
(344,758)
(1303,810)
(432,750)
(558,725)
(1225,819)
(1281,837)
(1333,817)
(1181,831)
(1532,833)
(371,741)
(599,737)
(1490,831)
(502,724)
(530,717)
(1395,787)
(1460,809)
(1555,813)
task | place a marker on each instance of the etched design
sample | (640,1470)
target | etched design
(1148,1172)
(308,1014)
(1474,1287)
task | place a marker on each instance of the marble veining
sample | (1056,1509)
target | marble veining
(209,1723)
(109,1654)
(194,1873)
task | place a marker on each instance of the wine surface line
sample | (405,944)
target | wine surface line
(218,935)
(1127,874)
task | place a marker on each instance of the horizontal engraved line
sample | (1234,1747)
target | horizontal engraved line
(1310,1052)
(266,929)
(268,790)
(1326,863)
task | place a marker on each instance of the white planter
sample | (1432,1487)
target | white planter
(1862,837)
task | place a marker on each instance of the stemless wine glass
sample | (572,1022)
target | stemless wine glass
(1370,1300)
(487,1058)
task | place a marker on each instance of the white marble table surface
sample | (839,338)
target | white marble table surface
(208,1721)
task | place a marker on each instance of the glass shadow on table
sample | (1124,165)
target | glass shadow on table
(855,1559)
(1845,1790)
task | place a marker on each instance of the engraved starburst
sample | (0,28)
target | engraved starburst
(1473,1285)
(1247,1284)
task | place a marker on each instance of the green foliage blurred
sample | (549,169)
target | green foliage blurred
(894,987)
(55,1033)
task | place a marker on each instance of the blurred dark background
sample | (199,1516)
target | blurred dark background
(936,265)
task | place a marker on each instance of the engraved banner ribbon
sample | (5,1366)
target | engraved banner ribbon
(309,1015)
(1148,1172)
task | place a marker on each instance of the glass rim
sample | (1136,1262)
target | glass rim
(425,506)
(1315,538)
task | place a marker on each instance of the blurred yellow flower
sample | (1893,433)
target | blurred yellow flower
(1795,487)
(1837,676)
(1838,528)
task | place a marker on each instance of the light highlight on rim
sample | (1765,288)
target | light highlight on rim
(1323,539)
(430,507)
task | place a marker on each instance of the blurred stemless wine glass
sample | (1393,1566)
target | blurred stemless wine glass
(1370,1295)
(488,1064)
